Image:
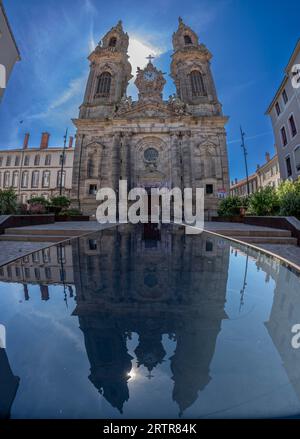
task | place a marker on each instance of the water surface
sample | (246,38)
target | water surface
(126,323)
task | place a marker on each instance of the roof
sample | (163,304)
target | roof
(286,76)
(36,149)
(270,162)
(10,30)
(243,181)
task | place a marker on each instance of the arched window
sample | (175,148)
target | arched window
(197,84)
(104,83)
(90,168)
(187,40)
(112,42)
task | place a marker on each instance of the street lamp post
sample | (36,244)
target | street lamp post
(245,157)
(62,163)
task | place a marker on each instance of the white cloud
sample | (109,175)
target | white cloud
(74,89)
(138,50)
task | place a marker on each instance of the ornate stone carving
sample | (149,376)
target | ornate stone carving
(176,105)
(150,83)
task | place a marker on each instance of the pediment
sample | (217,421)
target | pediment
(146,110)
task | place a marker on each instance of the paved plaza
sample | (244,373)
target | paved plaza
(10,250)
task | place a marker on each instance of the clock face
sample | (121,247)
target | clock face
(149,76)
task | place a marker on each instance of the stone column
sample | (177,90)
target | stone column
(126,158)
(186,159)
(175,160)
(115,161)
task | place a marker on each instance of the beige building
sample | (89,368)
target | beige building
(37,171)
(9,52)
(266,175)
(284,112)
(151,142)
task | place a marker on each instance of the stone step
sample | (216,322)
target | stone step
(33,238)
(255,233)
(267,240)
(45,232)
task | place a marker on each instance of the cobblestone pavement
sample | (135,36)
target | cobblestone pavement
(10,250)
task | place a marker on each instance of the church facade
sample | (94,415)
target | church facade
(150,142)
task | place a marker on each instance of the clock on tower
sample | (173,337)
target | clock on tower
(150,83)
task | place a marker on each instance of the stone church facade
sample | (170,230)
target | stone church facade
(151,142)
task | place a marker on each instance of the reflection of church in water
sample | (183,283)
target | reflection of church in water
(174,285)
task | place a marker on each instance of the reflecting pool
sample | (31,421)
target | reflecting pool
(136,323)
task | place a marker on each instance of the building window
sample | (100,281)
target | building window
(209,246)
(293,126)
(209,189)
(17,160)
(61,256)
(36,160)
(24,198)
(288,166)
(26,160)
(92,189)
(48,272)
(297,158)
(37,273)
(35,179)
(112,42)
(8,160)
(285,96)
(15,180)
(46,179)
(151,155)
(197,84)
(104,83)
(187,40)
(61,177)
(24,181)
(277,106)
(62,158)
(92,244)
(35,257)
(6,181)
(46,255)
(48,160)
(90,168)
(283,136)
(1,161)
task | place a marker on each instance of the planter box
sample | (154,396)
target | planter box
(26,220)
(61,218)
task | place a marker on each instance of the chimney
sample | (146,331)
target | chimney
(71,138)
(267,157)
(44,140)
(257,167)
(235,180)
(232,182)
(26,140)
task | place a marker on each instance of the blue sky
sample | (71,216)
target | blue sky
(251,42)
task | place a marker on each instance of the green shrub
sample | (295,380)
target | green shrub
(60,201)
(290,205)
(37,209)
(264,202)
(38,200)
(231,205)
(8,202)
(70,212)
